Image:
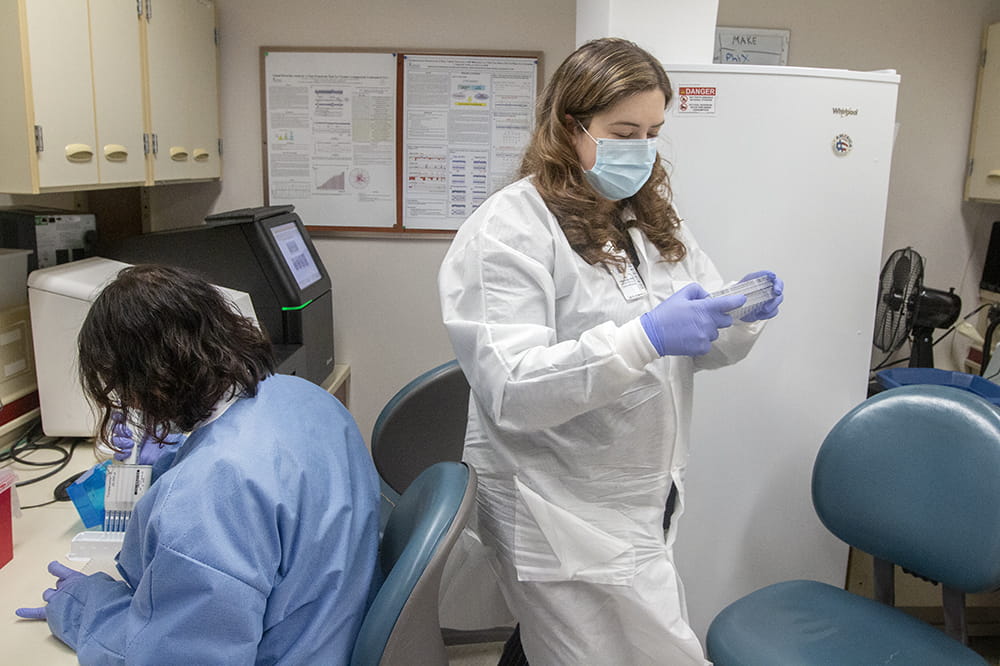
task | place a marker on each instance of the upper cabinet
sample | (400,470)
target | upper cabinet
(983,179)
(107,93)
(181,48)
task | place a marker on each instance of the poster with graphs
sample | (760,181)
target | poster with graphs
(378,141)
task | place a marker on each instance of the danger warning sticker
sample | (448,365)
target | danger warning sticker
(696,100)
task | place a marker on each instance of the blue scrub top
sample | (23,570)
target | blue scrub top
(256,544)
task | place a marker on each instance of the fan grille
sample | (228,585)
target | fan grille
(899,285)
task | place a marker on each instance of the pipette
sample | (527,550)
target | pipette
(124,484)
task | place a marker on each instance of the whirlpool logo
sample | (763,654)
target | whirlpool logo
(843,112)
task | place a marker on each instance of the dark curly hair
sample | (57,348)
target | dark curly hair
(163,346)
(592,79)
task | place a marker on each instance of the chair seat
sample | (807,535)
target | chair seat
(807,622)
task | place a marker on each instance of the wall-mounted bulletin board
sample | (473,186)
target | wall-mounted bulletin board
(395,142)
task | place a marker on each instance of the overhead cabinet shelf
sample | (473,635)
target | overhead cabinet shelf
(107,93)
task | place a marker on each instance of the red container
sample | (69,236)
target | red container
(7,479)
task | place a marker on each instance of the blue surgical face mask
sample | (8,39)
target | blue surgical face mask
(622,167)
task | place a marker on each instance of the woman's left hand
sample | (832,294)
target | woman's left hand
(767,309)
(63,576)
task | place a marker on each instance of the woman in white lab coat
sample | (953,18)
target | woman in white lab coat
(576,302)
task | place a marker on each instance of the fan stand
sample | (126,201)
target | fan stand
(921,348)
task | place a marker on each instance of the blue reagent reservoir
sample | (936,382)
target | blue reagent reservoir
(87,493)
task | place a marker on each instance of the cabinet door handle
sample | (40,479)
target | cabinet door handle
(201,155)
(79,152)
(115,152)
(995,173)
(178,153)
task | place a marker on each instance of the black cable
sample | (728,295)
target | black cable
(35,506)
(26,436)
(29,443)
(955,326)
(885,364)
(61,463)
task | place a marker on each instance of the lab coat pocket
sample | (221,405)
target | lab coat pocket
(561,543)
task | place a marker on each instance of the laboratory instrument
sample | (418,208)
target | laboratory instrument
(59,298)
(124,485)
(267,253)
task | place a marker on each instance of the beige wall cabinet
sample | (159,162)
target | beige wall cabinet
(80,79)
(983,180)
(182,61)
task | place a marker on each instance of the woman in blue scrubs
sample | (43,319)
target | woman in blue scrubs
(257,540)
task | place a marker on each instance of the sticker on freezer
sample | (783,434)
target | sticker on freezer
(696,100)
(842,144)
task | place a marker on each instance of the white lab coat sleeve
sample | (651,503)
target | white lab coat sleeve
(732,345)
(498,298)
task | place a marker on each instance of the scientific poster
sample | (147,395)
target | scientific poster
(467,121)
(393,141)
(331,136)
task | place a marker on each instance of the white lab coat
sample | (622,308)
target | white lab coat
(577,430)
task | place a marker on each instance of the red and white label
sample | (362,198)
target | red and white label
(696,100)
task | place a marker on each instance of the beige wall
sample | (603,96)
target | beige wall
(387,319)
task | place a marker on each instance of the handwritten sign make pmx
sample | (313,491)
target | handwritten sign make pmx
(751,46)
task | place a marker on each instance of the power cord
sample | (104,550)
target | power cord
(31,442)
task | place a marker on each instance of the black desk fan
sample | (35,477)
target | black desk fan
(908,309)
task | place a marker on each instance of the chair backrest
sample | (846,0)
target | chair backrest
(912,476)
(402,626)
(424,423)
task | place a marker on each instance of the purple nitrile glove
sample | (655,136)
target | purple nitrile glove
(149,449)
(767,309)
(688,322)
(63,575)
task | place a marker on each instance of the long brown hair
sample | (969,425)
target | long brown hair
(162,346)
(592,79)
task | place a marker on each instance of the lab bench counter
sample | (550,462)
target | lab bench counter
(41,535)
(338,383)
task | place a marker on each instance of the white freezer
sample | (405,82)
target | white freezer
(784,169)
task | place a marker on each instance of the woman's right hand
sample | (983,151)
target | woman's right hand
(688,322)
(150,449)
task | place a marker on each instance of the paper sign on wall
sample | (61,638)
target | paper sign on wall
(751,46)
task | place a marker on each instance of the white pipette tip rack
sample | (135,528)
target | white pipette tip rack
(757,291)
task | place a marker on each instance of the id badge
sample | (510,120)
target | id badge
(629,282)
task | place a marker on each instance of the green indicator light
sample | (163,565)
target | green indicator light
(297,307)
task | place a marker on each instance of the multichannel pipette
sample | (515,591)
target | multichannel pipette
(124,484)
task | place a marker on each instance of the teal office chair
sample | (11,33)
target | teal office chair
(422,424)
(911,476)
(401,626)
